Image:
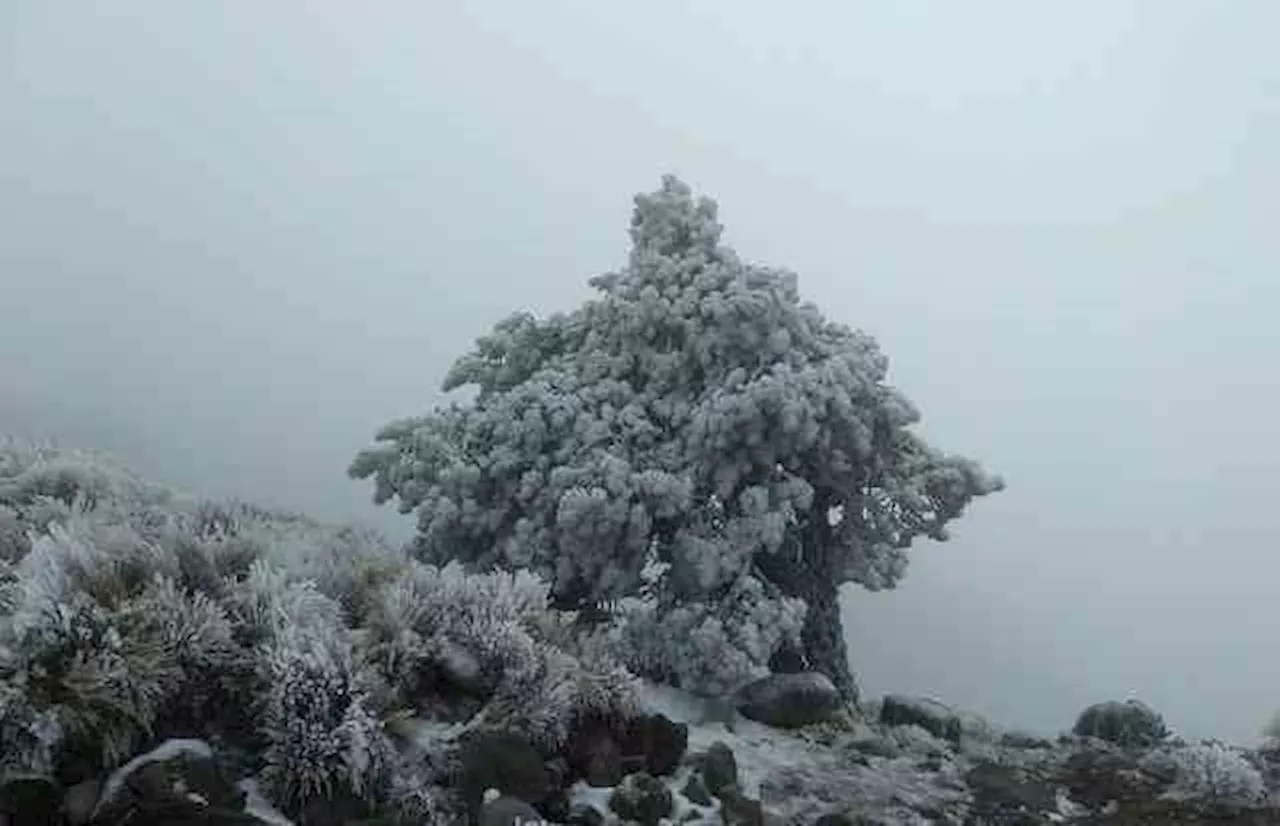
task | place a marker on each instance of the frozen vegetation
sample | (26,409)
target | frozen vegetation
(619,605)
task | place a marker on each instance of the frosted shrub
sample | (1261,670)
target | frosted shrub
(427,608)
(1210,772)
(323,739)
(103,687)
(419,799)
(709,648)
(268,602)
(127,613)
(552,690)
(29,472)
(193,633)
(29,739)
(108,559)
(344,562)
(13,535)
(499,622)
(86,645)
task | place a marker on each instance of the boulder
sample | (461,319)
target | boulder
(790,700)
(695,791)
(79,802)
(603,763)
(504,810)
(1131,724)
(719,768)
(501,760)
(29,799)
(659,741)
(935,717)
(1009,794)
(736,809)
(178,782)
(849,819)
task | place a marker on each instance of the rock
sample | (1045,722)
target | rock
(604,765)
(1099,775)
(555,807)
(1131,724)
(29,800)
(77,805)
(937,718)
(840,819)
(505,810)
(974,728)
(931,763)
(790,700)
(719,768)
(848,819)
(736,809)
(877,746)
(642,798)
(1024,740)
(695,791)
(501,760)
(835,820)
(915,740)
(1007,794)
(661,742)
(177,782)
(594,751)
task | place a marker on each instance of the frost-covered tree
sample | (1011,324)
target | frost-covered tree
(1210,771)
(695,413)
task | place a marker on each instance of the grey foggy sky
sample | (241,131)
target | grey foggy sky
(235,238)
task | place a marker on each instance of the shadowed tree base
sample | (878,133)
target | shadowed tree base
(823,638)
(822,635)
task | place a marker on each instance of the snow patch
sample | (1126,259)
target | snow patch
(257,805)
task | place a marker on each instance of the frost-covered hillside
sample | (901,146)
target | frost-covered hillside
(166,659)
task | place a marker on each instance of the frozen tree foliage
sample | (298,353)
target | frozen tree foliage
(1209,771)
(695,412)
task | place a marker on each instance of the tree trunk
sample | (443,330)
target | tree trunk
(823,636)
(812,575)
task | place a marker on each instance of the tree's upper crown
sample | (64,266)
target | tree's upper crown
(697,400)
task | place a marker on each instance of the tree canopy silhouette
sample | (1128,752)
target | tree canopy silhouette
(695,414)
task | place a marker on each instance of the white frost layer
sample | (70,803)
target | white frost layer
(256,804)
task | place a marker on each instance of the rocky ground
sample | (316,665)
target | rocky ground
(902,762)
(259,666)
